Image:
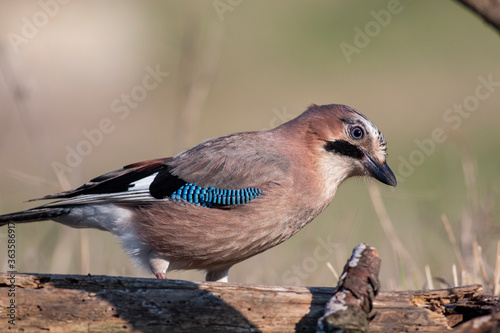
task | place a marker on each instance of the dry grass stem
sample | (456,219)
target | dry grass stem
(478,258)
(428,276)
(455,275)
(496,278)
(453,241)
(469,168)
(390,232)
(334,272)
(468,231)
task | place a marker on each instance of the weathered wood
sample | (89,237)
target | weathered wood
(76,303)
(483,324)
(348,310)
(409,311)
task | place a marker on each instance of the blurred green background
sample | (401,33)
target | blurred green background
(250,65)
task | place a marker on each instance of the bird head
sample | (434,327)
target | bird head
(346,143)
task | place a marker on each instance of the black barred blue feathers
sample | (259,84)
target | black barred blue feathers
(211,197)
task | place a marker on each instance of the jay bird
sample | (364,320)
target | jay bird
(228,198)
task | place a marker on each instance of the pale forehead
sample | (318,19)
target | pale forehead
(360,116)
(368,125)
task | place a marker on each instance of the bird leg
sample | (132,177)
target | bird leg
(217,275)
(158,266)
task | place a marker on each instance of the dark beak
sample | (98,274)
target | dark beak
(380,172)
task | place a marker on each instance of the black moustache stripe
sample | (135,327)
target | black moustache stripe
(344,148)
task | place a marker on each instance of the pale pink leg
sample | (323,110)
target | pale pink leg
(159,267)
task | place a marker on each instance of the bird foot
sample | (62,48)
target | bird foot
(159,266)
(161,275)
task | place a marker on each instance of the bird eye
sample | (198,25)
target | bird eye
(357,132)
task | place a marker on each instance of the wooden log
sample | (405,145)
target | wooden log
(422,311)
(79,303)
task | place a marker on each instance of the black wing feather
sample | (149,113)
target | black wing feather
(165,183)
(114,181)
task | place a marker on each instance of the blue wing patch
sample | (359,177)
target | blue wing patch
(213,197)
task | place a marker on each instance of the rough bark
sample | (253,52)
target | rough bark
(75,303)
(348,310)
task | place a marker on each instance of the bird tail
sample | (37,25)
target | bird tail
(33,215)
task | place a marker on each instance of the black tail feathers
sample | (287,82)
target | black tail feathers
(35,214)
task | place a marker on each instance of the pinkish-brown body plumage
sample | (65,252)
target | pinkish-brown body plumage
(296,169)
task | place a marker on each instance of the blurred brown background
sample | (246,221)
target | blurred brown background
(74,80)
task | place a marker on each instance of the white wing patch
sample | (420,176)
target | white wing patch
(142,184)
(137,193)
